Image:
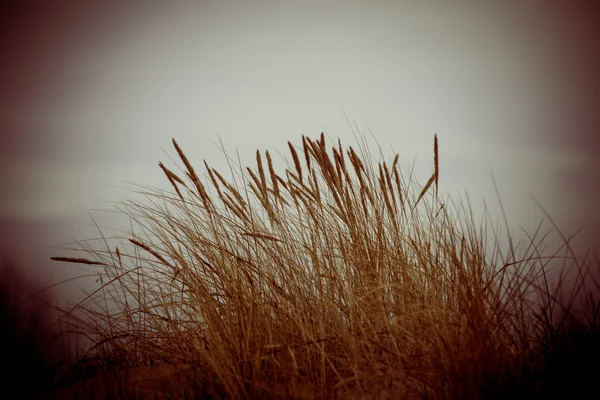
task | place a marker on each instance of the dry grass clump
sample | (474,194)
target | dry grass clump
(332,278)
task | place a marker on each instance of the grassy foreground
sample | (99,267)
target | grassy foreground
(336,277)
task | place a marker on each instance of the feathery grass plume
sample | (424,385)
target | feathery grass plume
(261,174)
(424,190)
(296,161)
(193,177)
(339,164)
(232,189)
(212,178)
(274,180)
(436,162)
(154,253)
(348,295)
(172,179)
(256,187)
(306,151)
(434,177)
(77,260)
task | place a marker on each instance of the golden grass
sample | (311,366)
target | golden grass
(325,280)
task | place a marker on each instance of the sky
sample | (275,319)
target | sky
(93,92)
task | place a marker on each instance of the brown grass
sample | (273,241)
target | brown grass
(325,281)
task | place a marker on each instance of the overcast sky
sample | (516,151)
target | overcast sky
(92,95)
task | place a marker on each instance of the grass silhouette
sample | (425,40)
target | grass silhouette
(336,277)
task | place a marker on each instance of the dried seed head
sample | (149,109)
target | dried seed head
(296,160)
(436,162)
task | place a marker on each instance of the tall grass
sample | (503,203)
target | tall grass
(334,277)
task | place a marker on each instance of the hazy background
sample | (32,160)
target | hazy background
(92,92)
